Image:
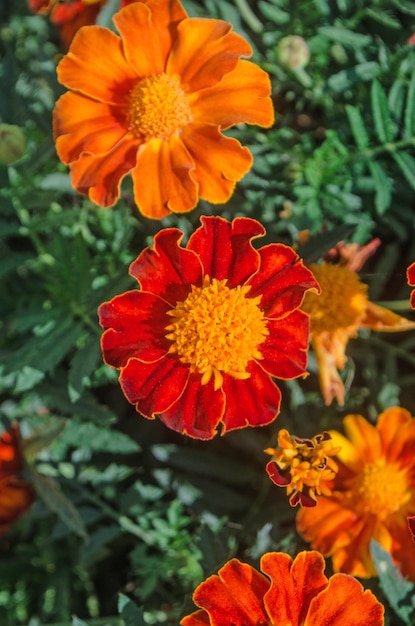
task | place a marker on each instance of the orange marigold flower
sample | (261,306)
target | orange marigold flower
(303,466)
(373,495)
(341,309)
(197,346)
(16,495)
(410,274)
(287,593)
(153,102)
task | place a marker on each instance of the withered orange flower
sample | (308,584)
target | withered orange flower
(286,592)
(304,466)
(337,314)
(197,346)
(153,102)
(410,274)
(16,495)
(373,494)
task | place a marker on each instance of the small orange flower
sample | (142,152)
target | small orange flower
(197,346)
(373,495)
(153,102)
(287,593)
(303,466)
(16,495)
(336,315)
(410,274)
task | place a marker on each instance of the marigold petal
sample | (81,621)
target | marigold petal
(355,558)
(198,411)
(382,319)
(198,618)
(169,167)
(96,66)
(293,585)
(278,477)
(219,161)
(397,431)
(16,496)
(234,596)
(225,249)
(344,602)
(167,269)
(285,349)
(136,323)
(153,24)
(282,280)
(402,547)
(242,96)
(348,454)
(11,462)
(153,387)
(251,402)
(410,273)
(205,50)
(365,438)
(328,360)
(84,125)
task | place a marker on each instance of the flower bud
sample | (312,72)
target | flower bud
(12,143)
(293,52)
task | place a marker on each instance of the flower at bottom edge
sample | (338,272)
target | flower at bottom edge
(213,321)
(293,592)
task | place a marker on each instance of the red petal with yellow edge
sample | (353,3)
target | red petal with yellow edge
(279,477)
(198,618)
(219,161)
(198,411)
(410,275)
(169,167)
(225,249)
(344,602)
(16,496)
(234,596)
(397,431)
(285,349)
(84,125)
(364,437)
(382,319)
(136,323)
(293,585)
(204,51)
(167,269)
(281,281)
(96,66)
(149,31)
(153,387)
(242,96)
(251,402)
(100,176)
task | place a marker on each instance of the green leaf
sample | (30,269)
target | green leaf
(345,79)
(82,365)
(357,126)
(344,36)
(407,165)
(273,13)
(383,186)
(98,438)
(380,112)
(409,118)
(130,612)
(78,622)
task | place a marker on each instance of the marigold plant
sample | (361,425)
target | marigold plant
(286,592)
(154,101)
(373,494)
(212,323)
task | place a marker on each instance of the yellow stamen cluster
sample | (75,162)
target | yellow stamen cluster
(217,330)
(307,461)
(380,489)
(341,303)
(158,107)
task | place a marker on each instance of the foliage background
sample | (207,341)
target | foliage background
(129,513)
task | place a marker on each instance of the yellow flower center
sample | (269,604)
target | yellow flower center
(381,489)
(158,107)
(342,301)
(217,330)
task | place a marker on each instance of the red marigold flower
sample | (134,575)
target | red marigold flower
(16,495)
(197,346)
(153,102)
(410,274)
(373,494)
(303,466)
(411,525)
(287,592)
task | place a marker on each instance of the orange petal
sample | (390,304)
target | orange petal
(397,428)
(345,602)
(364,437)
(220,161)
(163,179)
(293,585)
(205,50)
(100,177)
(96,66)
(84,125)
(380,318)
(331,385)
(242,96)
(198,618)
(148,31)
(348,453)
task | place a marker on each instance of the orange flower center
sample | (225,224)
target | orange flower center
(158,107)
(381,489)
(342,301)
(217,330)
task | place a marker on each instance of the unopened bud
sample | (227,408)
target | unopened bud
(12,143)
(293,52)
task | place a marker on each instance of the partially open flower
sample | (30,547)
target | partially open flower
(293,52)
(304,466)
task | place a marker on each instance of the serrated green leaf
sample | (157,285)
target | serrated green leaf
(98,438)
(82,365)
(380,112)
(383,186)
(396,100)
(347,78)
(407,166)
(409,117)
(357,126)
(383,17)
(130,612)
